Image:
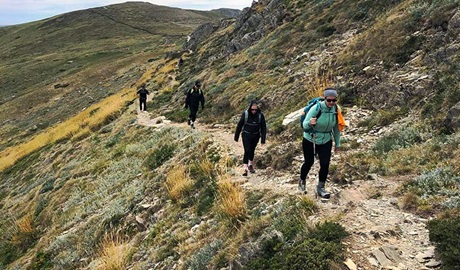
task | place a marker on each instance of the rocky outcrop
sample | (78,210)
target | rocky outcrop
(256,22)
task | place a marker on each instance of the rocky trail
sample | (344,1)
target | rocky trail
(382,235)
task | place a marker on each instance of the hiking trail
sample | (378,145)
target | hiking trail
(382,235)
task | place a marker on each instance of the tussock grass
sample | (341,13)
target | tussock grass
(232,200)
(114,253)
(178,183)
(76,126)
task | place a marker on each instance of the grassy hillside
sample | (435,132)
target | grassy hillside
(110,194)
(56,67)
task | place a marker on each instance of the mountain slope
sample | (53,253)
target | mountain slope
(75,59)
(161,195)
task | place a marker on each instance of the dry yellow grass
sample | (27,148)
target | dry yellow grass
(232,200)
(178,182)
(25,224)
(76,126)
(114,253)
(317,85)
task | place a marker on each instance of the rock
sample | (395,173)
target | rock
(381,258)
(392,253)
(350,264)
(433,264)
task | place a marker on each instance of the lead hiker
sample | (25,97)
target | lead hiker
(192,101)
(253,127)
(143,93)
(321,125)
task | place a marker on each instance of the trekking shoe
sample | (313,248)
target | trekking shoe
(302,186)
(323,193)
(192,125)
(245,173)
(251,169)
(189,122)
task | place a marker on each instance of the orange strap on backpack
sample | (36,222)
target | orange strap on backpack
(340,121)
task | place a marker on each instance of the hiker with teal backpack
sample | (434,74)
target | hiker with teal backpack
(194,97)
(321,124)
(253,127)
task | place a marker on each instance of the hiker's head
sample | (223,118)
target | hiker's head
(330,96)
(254,107)
(197,84)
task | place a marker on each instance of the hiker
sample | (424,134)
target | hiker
(192,102)
(253,127)
(322,122)
(143,93)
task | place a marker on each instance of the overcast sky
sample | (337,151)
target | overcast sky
(21,11)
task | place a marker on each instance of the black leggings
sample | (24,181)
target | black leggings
(324,153)
(249,143)
(193,112)
(143,101)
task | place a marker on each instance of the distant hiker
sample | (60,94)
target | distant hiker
(192,101)
(143,93)
(321,125)
(253,127)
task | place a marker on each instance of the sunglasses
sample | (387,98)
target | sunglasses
(331,100)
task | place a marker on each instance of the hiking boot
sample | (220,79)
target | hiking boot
(302,186)
(251,169)
(322,191)
(189,121)
(192,125)
(245,173)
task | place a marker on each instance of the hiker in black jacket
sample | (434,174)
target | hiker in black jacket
(192,102)
(252,125)
(143,93)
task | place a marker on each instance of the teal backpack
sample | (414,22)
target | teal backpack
(312,102)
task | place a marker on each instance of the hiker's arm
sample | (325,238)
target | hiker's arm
(263,129)
(202,101)
(239,127)
(308,122)
(336,133)
(187,99)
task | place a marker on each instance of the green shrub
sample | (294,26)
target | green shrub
(441,181)
(396,140)
(329,232)
(445,233)
(202,258)
(8,251)
(159,156)
(42,261)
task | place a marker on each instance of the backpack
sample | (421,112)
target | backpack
(199,90)
(246,115)
(312,102)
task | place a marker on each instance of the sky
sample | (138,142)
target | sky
(22,11)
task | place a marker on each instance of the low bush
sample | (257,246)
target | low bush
(160,155)
(445,233)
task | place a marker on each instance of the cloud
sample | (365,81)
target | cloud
(21,11)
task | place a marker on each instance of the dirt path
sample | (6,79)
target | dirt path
(382,235)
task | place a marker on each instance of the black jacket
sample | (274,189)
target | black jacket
(194,97)
(253,125)
(142,92)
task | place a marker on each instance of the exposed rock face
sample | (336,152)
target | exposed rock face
(250,26)
(256,22)
(200,34)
